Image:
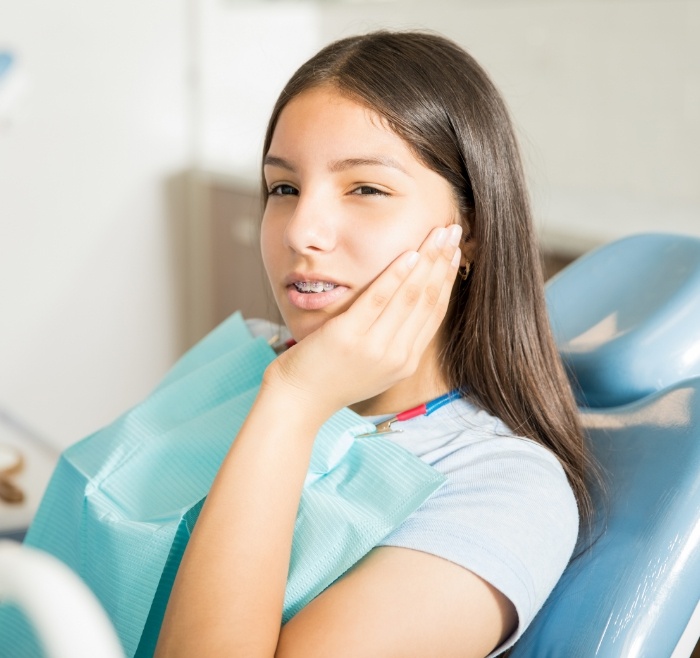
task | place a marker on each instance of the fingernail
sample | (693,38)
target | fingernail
(456,258)
(412,259)
(455,233)
(440,237)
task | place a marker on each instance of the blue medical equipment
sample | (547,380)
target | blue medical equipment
(627,320)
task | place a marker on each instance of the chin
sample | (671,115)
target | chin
(301,327)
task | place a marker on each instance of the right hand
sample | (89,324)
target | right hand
(380,339)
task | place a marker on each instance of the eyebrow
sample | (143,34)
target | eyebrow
(274,161)
(341,165)
(380,161)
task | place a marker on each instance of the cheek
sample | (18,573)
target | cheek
(376,257)
(402,227)
(374,253)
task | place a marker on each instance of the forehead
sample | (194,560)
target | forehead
(324,117)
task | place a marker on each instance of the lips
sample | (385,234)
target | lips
(313,301)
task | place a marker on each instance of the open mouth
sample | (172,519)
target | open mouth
(314,286)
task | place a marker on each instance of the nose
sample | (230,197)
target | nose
(311,228)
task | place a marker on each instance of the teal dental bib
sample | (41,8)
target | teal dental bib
(122,503)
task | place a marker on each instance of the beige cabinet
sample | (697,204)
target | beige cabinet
(223,266)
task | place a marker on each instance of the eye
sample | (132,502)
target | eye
(368,190)
(283,189)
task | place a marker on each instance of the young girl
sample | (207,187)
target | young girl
(398,242)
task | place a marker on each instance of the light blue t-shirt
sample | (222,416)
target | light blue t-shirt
(507,512)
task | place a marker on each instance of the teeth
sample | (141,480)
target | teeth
(314,286)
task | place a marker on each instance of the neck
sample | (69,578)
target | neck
(425,384)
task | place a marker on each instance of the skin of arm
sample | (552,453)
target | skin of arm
(228,595)
(401,603)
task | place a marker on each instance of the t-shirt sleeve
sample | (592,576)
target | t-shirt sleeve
(507,513)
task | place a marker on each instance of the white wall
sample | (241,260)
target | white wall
(88,308)
(248,50)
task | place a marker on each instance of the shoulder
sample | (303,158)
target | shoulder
(484,461)
(479,454)
(506,513)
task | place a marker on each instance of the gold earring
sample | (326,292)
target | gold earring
(464,271)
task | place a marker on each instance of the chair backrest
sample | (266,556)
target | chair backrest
(64,613)
(633,593)
(626,317)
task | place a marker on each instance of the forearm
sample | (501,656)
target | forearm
(228,595)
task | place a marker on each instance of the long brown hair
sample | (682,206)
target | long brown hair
(498,347)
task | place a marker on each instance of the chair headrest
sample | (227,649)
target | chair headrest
(626,317)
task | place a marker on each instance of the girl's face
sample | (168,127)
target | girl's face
(347,197)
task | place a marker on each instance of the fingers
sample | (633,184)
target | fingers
(414,312)
(420,327)
(373,301)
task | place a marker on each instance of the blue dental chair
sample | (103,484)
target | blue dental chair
(626,318)
(67,618)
